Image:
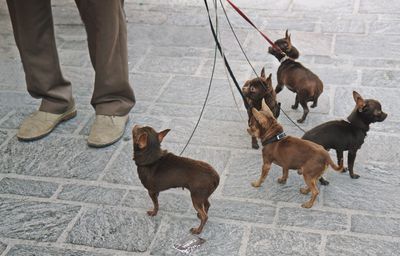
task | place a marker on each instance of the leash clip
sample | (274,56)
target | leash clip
(280,136)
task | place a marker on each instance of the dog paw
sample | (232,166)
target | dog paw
(299,172)
(304,191)
(313,106)
(295,107)
(301,120)
(195,231)
(281,180)
(355,176)
(345,169)
(324,182)
(255,146)
(307,205)
(152,213)
(255,184)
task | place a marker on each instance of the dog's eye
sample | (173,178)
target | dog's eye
(252,89)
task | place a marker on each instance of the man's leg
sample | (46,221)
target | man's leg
(34,35)
(113,97)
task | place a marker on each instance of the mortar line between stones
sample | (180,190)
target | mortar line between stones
(63,237)
(322,246)
(202,64)
(276,216)
(217,219)
(160,227)
(7,140)
(82,125)
(14,241)
(140,61)
(114,156)
(8,115)
(8,248)
(160,92)
(124,197)
(223,175)
(348,228)
(245,240)
(356,7)
(290,7)
(333,44)
(57,192)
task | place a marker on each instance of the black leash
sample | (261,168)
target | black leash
(209,86)
(246,104)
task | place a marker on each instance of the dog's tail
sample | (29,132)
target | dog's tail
(335,167)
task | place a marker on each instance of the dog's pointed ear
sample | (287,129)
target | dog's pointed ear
(360,103)
(142,141)
(162,134)
(270,76)
(287,35)
(261,119)
(263,72)
(265,108)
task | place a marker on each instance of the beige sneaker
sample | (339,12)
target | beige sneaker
(106,130)
(40,123)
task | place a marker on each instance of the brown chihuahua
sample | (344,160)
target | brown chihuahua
(160,170)
(297,78)
(309,158)
(255,91)
(348,135)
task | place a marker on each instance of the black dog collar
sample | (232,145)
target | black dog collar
(274,139)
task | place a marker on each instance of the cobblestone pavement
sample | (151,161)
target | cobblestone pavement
(59,197)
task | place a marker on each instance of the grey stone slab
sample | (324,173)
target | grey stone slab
(359,45)
(379,148)
(11,73)
(147,86)
(361,194)
(264,4)
(3,246)
(340,6)
(31,250)
(280,242)
(349,245)
(380,78)
(333,61)
(375,225)
(91,194)
(75,58)
(374,63)
(292,23)
(335,75)
(82,80)
(390,27)
(242,211)
(114,229)
(10,98)
(227,114)
(3,136)
(27,187)
(217,158)
(343,25)
(182,66)
(312,219)
(175,229)
(175,110)
(379,7)
(55,156)
(169,202)
(388,97)
(150,18)
(246,168)
(33,220)
(240,69)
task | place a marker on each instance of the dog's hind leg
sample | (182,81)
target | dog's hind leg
(339,155)
(296,102)
(285,175)
(264,173)
(154,197)
(303,103)
(311,183)
(315,102)
(199,206)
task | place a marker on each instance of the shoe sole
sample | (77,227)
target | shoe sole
(67,117)
(94,145)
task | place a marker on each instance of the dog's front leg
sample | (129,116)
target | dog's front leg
(154,197)
(264,173)
(351,158)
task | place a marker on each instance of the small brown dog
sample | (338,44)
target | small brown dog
(297,78)
(160,170)
(257,89)
(309,158)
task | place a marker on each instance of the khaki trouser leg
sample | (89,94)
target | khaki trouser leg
(34,35)
(107,39)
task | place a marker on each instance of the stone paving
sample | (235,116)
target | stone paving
(59,197)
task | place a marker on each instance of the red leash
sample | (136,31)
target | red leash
(241,13)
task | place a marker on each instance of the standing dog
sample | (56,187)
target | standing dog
(289,152)
(257,89)
(348,135)
(159,170)
(297,78)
